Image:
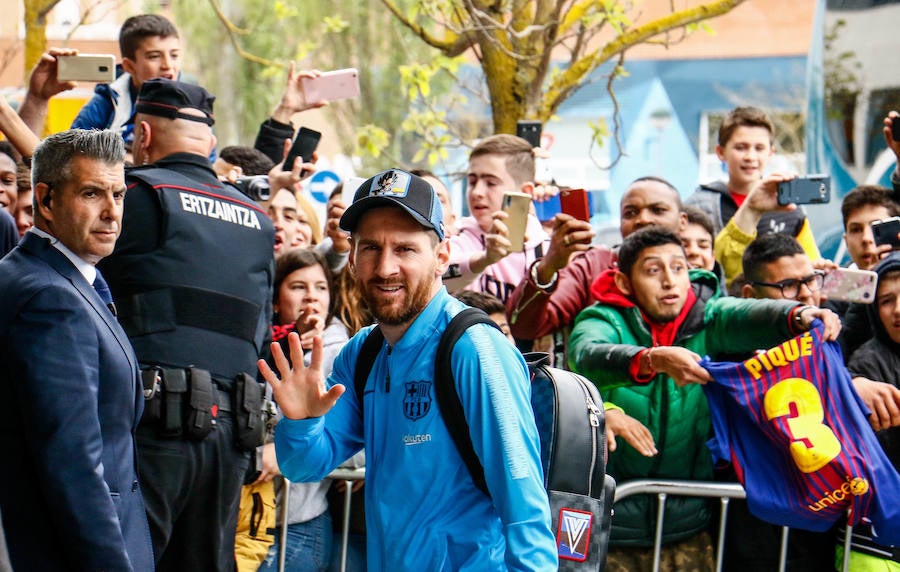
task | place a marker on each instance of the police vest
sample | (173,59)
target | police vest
(202,297)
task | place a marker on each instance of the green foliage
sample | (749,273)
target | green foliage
(319,35)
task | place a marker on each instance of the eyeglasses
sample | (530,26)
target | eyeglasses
(790,288)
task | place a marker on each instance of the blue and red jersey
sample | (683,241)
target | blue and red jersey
(797,433)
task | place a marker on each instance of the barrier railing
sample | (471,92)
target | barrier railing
(346,475)
(661,488)
(725,491)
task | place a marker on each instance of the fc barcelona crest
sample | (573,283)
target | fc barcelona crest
(416,399)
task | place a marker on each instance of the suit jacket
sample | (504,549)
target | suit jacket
(70,400)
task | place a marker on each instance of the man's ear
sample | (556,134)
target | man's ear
(43,198)
(443,257)
(146,135)
(720,153)
(527,188)
(747,291)
(623,282)
(683,222)
(212,143)
(351,260)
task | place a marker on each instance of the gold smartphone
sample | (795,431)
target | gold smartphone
(86,67)
(516,205)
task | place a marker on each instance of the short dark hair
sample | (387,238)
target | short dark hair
(765,249)
(51,163)
(867,195)
(7,149)
(640,240)
(296,259)
(517,151)
(700,218)
(489,303)
(422,173)
(251,161)
(744,117)
(661,181)
(136,28)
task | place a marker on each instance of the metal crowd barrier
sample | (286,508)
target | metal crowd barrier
(349,476)
(725,491)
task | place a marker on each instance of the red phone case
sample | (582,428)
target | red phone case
(574,202)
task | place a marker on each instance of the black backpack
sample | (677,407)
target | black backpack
(569,416)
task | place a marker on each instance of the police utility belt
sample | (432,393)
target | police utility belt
(184,403)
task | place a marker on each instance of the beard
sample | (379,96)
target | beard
(401,311)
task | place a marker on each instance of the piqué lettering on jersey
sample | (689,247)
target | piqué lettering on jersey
(219,210)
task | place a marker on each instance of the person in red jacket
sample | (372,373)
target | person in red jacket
(557,286)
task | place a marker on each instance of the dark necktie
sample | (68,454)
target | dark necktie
(102,289)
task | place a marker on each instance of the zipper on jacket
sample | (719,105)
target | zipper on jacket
(387,381)
(594,417)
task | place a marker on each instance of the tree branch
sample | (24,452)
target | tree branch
(563,85)
(233,31)
(453,47)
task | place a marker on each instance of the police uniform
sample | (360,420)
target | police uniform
(192,278)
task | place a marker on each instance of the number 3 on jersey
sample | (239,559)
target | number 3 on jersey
(813,444)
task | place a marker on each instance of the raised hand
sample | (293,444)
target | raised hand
(300,392)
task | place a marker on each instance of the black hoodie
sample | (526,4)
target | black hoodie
(879,360)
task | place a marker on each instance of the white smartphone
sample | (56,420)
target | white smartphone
(331,86)
(850,285)
(86,67)
(516,205)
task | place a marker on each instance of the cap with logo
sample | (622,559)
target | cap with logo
(397,188)
(165,98)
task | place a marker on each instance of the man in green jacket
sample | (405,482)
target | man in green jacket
(640,344)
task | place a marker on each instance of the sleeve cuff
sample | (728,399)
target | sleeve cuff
(634,368)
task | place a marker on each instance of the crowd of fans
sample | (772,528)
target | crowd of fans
(724,273)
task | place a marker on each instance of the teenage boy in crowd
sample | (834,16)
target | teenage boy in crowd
(745,146)
(860,208)
(558,286)
(480,255)
(879,360)
(150,48)
(640,344)
(775,267)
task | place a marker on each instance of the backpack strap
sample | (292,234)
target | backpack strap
(448,397)
(364,362)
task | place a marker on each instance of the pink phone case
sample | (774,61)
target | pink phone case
(331,86)
(850,285)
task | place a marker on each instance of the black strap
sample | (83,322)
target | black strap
(444,384)
(164,307)
(447,396)
(364,362)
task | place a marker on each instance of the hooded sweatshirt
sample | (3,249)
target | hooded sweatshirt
(607,338)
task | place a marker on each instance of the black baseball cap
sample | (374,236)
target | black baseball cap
(397,188)
(165,98)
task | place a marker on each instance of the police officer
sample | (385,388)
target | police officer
(191,276)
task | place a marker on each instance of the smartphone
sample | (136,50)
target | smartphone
(86,67)
(887,231)
(574,202)
(304,145)
(348,191)
(529,131)
(517,206)
(331,86)
(850,285)
(811,189)
(895,128)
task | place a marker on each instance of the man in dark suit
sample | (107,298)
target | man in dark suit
(69,381)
